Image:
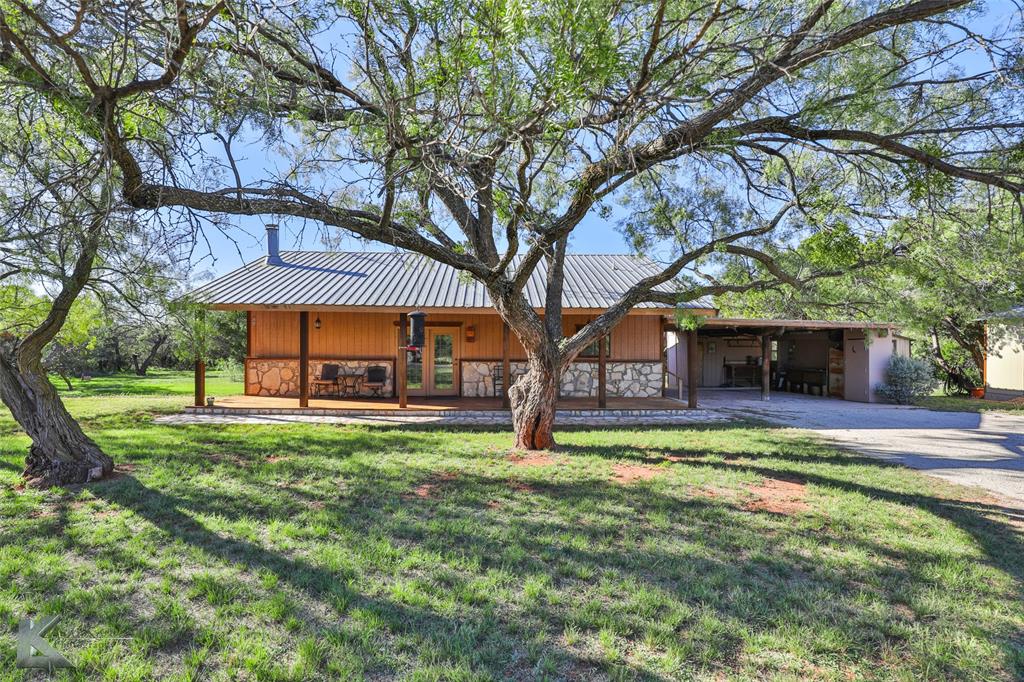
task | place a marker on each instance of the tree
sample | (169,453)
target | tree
(483,135)
(956,265)
(64,233)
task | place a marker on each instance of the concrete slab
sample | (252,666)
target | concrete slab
(981,450)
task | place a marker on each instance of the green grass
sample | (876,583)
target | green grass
(157,382)
(294,552)
(945,403)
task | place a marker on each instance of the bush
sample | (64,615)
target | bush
(232,370)
(908,379)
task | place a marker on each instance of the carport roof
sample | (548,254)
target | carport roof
(741,322)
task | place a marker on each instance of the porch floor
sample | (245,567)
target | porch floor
(455,404)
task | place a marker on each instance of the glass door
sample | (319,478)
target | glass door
(414,372)
(441,363)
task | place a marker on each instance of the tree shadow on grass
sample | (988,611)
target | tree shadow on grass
(720,572)
(988,522)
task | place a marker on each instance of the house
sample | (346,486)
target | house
(310,309)
(1004,355)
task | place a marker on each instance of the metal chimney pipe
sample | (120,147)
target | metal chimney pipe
(273,245)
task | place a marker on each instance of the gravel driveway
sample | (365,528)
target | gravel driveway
(980,450)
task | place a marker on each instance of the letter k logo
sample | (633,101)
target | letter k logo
(30,638)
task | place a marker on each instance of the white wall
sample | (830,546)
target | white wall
(713,362)
(1005,363)
(675,350)
(866,355)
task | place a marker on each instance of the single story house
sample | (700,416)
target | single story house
(1004,355)
(308,309)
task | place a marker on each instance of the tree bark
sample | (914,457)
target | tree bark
(61,453)
(533,398)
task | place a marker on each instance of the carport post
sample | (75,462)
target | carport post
(766,366)
(692,368)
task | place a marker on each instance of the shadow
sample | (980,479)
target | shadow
(482,574)
(328,587)
(285,265)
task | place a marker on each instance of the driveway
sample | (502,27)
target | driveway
(981,450)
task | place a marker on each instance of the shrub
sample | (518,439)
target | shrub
(907,379)
(231,369)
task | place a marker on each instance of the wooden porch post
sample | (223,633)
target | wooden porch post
(602,366)
(400,370)
(692,368)
(766,366)
(303,359)
(200,376)
(506,365)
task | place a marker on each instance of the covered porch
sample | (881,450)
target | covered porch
(454,404)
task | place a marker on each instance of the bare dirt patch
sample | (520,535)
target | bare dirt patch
(778,496)
(531,459)
(624,474)
(429,488)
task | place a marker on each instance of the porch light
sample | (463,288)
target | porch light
(470,333)
(316,322)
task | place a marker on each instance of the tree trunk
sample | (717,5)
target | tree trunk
(533,398)
(143,367)
(61,453)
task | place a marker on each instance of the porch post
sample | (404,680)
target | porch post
(400,368)
(602,365)
(766,366)
(200,377)
(692,368)
(303,359)
(506,368)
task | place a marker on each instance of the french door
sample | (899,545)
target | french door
(433,369)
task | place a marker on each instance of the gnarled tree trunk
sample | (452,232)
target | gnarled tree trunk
(533,398)
(61,453)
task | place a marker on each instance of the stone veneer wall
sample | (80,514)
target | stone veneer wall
(625,379)
(280,377)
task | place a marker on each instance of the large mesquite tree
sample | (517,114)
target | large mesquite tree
(483,134)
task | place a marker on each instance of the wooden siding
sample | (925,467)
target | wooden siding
(275,334)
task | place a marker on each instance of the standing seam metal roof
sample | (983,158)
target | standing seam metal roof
(397,279)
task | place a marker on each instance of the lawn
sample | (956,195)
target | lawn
(957,403)
(157,382)
(294,552)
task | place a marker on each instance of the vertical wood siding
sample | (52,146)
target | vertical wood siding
(275,334)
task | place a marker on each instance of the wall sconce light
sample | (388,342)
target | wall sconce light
(316,322)
(470,333)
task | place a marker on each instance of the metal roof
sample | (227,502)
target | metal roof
(399,279)
(742,322)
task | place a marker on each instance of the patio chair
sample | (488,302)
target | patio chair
(376,379)
(328,377)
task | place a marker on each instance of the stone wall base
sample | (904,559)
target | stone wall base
(280,377)
(625,379)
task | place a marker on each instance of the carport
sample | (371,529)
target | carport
(837,359)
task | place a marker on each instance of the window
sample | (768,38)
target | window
(592,350)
